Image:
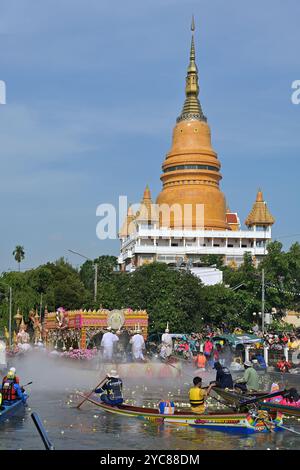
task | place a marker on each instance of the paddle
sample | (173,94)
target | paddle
(35,418)
(87,397)
(222,403)
(288,429)
(29,383)
(262,397)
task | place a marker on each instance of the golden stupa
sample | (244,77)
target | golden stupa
(191,170)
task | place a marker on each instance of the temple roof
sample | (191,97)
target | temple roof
(192,107)
(147,211)
(260,214)
(127,227)
(232,218)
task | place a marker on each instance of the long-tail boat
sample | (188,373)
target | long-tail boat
(241,401)
(249,422)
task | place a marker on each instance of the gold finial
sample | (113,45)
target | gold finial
(192,108)
(193,24)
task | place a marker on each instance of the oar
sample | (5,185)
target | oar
(29,383)
(179,370)
(48,445)
(282,427)
(222,403)
(86,398)
(262,397)
(288,429)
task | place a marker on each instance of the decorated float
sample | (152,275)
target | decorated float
(83,329)
(76,336)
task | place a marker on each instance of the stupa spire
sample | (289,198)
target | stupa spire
(192,107)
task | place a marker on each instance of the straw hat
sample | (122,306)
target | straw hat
(113,373)
(248,363)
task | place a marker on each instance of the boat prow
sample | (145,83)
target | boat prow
(8,410)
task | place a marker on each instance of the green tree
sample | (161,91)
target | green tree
(19,254)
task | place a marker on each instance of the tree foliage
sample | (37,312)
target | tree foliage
(168,294)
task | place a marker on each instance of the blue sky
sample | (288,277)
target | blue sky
(93,92)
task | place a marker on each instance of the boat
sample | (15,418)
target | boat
(234,398)
(249,422)
(284,409)
(8,410)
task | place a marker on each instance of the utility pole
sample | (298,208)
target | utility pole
(10,315)
(95,281)
(263,300)
(95,264)
(41,305)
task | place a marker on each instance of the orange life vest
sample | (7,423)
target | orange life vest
(201,361)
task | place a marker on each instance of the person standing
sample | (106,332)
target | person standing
(138,345)
(167,344)
(3,361)
(207,350)
(107,343)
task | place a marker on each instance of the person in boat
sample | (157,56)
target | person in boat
(200,361)
(197,395)
(223,376)
(107,344)
(138,345)
(16,378)
(249,381)
(111,391)
(275,388)
(290,398)
(11,390)
(283,365)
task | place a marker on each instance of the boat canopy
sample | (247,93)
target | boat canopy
(235,340)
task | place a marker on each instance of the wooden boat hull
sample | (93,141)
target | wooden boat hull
(7,411)
(226,422)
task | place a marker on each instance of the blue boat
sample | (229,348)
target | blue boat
(8,410)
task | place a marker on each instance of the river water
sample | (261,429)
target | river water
(53,396)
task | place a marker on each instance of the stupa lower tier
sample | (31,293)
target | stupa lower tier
(173,247)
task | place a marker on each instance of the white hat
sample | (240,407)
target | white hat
(138,330)
(113,373)
(108,328)
(248,363)
(13,369)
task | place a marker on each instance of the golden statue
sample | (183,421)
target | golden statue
(6,334)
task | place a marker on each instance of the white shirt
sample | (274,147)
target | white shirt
(138,344)
(108,340)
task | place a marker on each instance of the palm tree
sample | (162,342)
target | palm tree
(19,254)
